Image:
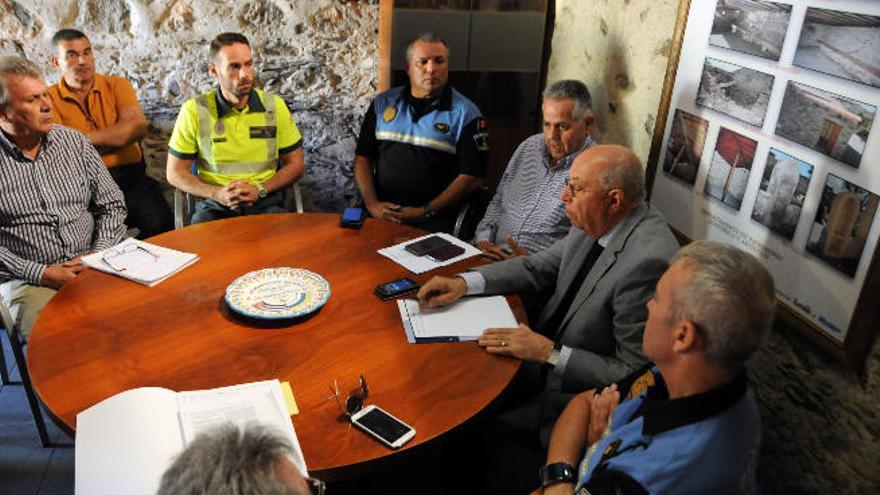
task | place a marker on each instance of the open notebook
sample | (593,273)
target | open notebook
(125,443)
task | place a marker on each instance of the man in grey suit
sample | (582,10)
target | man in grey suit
(603,273)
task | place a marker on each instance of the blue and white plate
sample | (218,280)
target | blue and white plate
(276,293)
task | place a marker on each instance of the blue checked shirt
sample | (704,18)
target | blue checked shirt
(56,207)
(527,204)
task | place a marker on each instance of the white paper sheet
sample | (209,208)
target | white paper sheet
(140,261)
(422,264)
(125,443)
(466,319)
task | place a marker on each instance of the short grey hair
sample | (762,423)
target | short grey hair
(571,89)
(426,37)
(730,298)
(625,173)
(229,461)
(18,66)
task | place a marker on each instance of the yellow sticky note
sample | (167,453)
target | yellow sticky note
(287,392)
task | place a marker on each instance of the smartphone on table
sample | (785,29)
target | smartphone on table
(426,245)
(395,288)
(382,426)
(446,252)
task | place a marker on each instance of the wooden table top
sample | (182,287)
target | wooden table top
(101,335)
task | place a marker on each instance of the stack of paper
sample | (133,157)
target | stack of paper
(422,264)
(140,261)
(465,319)
(126,442)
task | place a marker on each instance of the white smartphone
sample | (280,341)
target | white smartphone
(383,426)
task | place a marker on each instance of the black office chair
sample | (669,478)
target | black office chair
(7,321)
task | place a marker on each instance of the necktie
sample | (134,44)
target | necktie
(553,323)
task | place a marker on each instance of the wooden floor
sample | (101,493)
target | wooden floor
(26,468)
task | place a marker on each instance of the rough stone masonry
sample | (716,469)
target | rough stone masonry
(319,55)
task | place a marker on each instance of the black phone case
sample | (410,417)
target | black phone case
(427,245)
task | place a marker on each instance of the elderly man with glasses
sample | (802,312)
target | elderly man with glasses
(601,274)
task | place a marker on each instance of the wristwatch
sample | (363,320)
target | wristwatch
(558,472)
(428,212)
(262,191)
(553,357)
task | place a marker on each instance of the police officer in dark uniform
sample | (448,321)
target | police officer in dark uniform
(422,147)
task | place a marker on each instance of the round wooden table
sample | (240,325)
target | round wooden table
(101,335)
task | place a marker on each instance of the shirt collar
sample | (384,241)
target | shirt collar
(565,162)
(254,104)
(662,413)
(608,236)
(67,93)
(13,148)
(440,102)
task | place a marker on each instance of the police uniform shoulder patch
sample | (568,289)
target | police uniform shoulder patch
(441,127)
(641,384)
(389,114)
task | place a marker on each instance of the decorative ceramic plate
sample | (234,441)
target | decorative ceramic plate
(275,293)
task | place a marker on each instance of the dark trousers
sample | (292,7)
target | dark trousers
(147,209)
(209,209)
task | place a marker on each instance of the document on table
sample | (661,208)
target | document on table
(140,261)
(422,264)
(465,319)
(125,443)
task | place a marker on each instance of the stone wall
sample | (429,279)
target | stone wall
(821,421)
(619,48)
(319,55)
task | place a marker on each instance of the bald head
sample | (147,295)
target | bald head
(607,182)
(616,167)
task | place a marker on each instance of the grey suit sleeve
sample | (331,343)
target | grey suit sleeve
(587,369)
(537,272)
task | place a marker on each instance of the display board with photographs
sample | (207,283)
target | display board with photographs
(766,140)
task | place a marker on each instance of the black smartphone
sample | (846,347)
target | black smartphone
(446,252)
(426,245)
(396,288)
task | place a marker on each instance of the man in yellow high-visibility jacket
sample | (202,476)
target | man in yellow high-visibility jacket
(247,147)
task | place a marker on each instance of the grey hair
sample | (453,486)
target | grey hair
(426,37)
(18,66)
(731,299)
(229,461)
(571,89)
(625,173)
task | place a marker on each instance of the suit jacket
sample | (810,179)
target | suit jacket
(605,322)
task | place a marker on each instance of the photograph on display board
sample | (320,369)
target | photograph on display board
(734,90)
(751,26)
(730,168)
(685,146)
(841,44)
(781,196)
(843,220)
(826,122)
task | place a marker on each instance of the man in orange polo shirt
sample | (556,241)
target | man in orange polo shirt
(106,110)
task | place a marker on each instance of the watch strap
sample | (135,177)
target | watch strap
(261,191)
(558,472)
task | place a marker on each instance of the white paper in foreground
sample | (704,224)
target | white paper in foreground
(422,264)
(466,319)
(126,442)
(140,261)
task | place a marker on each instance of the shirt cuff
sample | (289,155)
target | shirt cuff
(32,272)
(564,356)
(476,283)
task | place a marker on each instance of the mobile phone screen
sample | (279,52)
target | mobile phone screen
(383,425)
(398,286)
(352,215)
(423,247)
